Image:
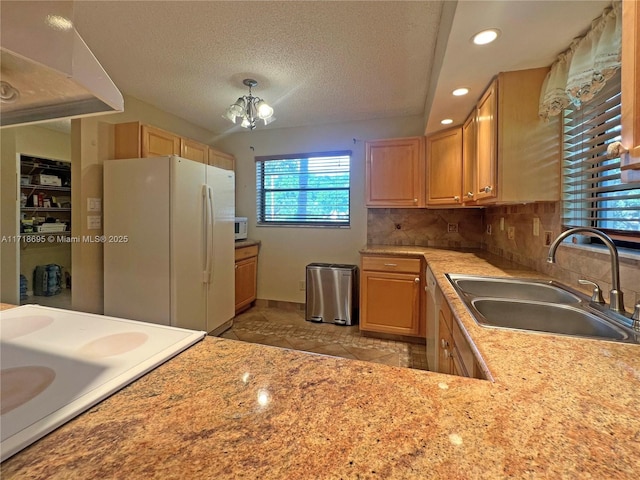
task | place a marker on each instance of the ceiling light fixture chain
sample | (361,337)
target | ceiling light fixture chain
(249,109)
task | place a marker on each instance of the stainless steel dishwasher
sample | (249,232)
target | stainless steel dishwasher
(332,293)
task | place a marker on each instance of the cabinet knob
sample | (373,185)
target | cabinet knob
(488,189)
(456,198)
(415,200)
(448,354)
(469,194)
(236,267)
(444,343)
(416,280)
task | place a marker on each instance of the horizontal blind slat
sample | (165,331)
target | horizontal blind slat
(593,193)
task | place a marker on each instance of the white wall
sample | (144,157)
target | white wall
(285,251)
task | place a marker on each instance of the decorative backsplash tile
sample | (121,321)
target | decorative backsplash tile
(444,228)
(527,249)
(433,228)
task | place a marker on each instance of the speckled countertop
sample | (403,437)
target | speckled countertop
(560,407)
(246,243)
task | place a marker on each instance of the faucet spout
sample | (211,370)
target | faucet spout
(616,300)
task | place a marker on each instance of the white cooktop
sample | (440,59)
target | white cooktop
(56,363)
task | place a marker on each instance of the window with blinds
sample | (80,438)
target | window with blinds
(593,193)
(304,189)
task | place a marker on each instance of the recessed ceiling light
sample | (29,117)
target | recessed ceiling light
(446,121)
(458,92)
(486,36)
(59,22)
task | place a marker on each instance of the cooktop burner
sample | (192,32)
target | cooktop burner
(56,363)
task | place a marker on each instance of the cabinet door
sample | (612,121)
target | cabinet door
(246,273)
(469,158)
(395,172)
(390,303)
(221,160)
(445,346)
(631,89)
(444,167)
(193,150)
(486,153)
(157,142)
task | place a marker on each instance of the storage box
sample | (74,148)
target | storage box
(43,179)
(51,227)
(25,179)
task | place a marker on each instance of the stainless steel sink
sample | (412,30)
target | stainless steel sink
(545,317)
(539,306)
(540,291)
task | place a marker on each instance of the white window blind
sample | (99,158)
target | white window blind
(593,194)
(304,189)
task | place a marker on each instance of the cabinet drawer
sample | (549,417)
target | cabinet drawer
(246,252)
(463,348)
(391,264)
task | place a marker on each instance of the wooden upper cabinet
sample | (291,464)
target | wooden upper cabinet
(631,89)
(517,153)
(444,167)
(136,140)
(193,150)
(157,142)
(395,172)
(469,142)
(221,159)
(486,138)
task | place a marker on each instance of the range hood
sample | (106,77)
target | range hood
(46,69)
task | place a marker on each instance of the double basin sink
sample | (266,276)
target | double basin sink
(539,306)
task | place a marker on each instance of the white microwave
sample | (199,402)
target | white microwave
(241,228)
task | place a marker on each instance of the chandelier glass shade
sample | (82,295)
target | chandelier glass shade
(249,109)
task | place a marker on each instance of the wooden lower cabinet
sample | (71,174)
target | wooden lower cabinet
(246,277)
(390,295)
(455,356)
(445,347)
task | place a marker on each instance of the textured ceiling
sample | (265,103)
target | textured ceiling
(322,61)
(316,62)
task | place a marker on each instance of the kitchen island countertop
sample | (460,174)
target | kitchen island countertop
(559,407)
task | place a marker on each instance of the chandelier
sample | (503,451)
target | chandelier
(249,109)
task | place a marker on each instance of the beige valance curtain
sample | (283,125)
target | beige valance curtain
(581,72)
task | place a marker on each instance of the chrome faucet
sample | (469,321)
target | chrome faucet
(616,301)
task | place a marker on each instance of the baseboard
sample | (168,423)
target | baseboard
(216,332)
(264,303)
(391,336)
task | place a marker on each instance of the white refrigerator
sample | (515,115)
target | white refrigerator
(169,242)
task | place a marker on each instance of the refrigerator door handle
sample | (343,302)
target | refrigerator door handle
(205,233)
(210,228)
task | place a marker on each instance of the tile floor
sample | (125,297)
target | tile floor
(287,328)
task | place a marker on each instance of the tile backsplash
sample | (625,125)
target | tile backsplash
(444,228)
(572,263)
(433,228)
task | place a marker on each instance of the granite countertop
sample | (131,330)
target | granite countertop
(247,243)
(559,407)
